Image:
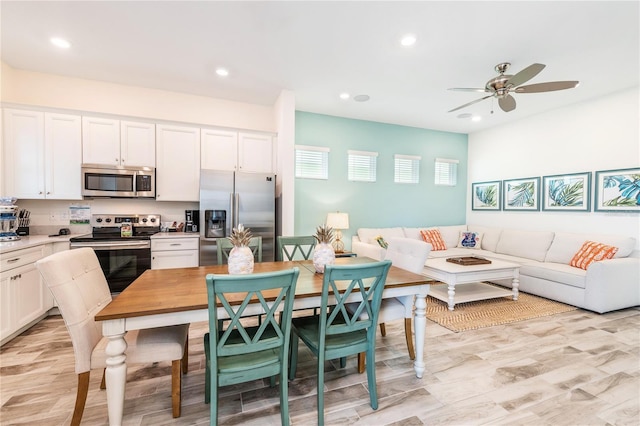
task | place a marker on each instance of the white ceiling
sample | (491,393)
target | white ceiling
(320,49)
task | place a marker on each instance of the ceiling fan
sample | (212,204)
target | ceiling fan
(502,86)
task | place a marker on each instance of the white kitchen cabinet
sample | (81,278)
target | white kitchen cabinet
(237,151)
(219,150)
(255,153)
(25,298)
(137,144)
(118,143)
(177,163)
(179,252)
(43,155)
(100,141)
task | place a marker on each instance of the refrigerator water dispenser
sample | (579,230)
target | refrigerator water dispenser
(215,223)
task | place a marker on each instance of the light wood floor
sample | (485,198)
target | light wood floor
(577,368)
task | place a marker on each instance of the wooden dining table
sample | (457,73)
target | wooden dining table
(163,297)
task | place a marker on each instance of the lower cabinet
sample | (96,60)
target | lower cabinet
(24,299)
(179,252)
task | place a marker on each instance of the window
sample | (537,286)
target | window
(312,162)
(362,166)
(446,172)
(406,169)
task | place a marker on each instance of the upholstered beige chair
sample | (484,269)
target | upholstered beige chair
(81,291)
(409,254)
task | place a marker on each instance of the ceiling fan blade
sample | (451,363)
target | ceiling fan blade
(546,87)
(468,89)
(526,74)
(508,103)
(470,103)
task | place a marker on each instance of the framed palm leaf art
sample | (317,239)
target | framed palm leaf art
(567,193)
(486,195)
(521,194)
(618,190)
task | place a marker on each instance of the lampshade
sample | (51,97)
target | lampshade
(338,220)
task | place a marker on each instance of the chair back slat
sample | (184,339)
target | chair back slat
(344,282)
(224,247)
(290,248)
(272,292)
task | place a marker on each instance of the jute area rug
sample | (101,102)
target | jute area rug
(487,313)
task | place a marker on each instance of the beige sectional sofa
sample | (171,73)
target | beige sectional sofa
(544,257)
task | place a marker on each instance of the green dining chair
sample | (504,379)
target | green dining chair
(291,248)
(241,352)
(224,246)
(339,333)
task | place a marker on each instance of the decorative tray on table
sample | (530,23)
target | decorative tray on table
(468,260)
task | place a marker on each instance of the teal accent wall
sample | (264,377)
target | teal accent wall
(382,203)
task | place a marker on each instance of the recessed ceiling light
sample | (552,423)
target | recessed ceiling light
(60,42)
(222,72)
(344,95)
(361,98)
(476,118)
(408,40)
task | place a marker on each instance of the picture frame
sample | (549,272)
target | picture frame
(486,195)
(618,190)
(567,193)
(521,194)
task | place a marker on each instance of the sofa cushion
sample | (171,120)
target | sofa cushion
(556,273)
(451,233)
(590,252)
(565,245)
(433,237)
(469,240)
(368,235)
(490,236)
(528,244)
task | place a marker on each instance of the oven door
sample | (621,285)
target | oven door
(121,261)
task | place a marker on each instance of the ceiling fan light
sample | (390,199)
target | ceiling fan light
(60,42)
(408,40)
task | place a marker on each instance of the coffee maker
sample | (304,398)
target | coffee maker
(192,220)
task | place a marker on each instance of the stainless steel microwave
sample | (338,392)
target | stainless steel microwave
(100,180)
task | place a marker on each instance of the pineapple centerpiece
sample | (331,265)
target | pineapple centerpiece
(323,253)
(240,256)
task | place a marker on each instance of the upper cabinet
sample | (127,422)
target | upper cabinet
(178,163)
(42,155)
(237,151)
(255,153)
(118,143)
(137,143)
(219,150)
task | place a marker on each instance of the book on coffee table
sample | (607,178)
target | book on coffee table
(468,260)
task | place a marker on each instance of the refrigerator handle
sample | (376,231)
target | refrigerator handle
(236,218)
(232,212)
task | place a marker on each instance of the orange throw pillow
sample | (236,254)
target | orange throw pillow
(433,237)
(592,252)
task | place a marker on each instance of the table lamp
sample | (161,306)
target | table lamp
(338,221)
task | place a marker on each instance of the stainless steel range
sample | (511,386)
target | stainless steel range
(123,245)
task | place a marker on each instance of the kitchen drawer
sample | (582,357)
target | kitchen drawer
(164,244)
(21,257)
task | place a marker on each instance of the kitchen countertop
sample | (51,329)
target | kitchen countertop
(163,235)
(33,241)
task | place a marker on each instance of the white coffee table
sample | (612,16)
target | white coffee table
(471,276)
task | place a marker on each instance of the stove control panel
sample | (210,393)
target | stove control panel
(116,220)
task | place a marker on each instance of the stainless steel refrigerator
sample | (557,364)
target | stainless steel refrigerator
(230,198)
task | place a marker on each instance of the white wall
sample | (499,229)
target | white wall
(602,134)
(55,91)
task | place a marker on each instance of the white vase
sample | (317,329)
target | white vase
(323,254)
(240,260)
